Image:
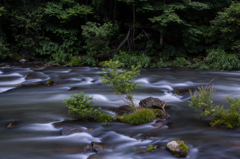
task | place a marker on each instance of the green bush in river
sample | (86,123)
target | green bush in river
(202,100)
(120,80)
(79,106)
(140,116)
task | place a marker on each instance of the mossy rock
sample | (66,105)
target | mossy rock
(178,148)
(118,118)
(50,83)
(160,107)
(31,84)
(160,114)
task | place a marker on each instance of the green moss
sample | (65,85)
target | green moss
(151,147)
(160,107)
(183,146)
(105,118)
(141,116)
(50,82)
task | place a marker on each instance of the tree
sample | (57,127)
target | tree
(120,80)
(226,26)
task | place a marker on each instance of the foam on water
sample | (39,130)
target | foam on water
(76,138)
(100,97)
(1,72)
(4,89)
(143,80)
(41,127)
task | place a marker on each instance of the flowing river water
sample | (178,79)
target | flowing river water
(38,108)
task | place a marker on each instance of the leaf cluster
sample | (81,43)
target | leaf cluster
(79,106)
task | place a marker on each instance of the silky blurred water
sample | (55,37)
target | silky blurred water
(38,108)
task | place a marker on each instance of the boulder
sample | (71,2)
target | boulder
(151,102)
(125,109)
(100,147)
(22,60)
(178,148)
(67,130)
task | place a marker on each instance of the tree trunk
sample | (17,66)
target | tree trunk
(134,21)
(114,14)
(161,37)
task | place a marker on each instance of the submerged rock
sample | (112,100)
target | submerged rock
(125,109)
(100,147)
(178,148)
(12,124)
(67,130)
(151,102)
(180,92)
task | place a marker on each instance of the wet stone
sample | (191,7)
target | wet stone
(125,109)
(100,147)
(12,124)
(67,130)
(151,102)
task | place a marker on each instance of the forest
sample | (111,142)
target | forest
(152,33)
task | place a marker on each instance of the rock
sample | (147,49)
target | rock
(160,114)
(100,147)
(56,83)
(22,60)
(86,148)
(94,80)
(178,148)
(180,92)
(125,109)
(150,102)
(12,124)
(67,130)
(159,124)
(34,75)
(96,156)
(31,84)
(50,83)
(2,64)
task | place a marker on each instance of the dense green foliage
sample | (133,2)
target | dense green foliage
(202,100)
(79,106)
(140,116)
(148,33)
(120,80)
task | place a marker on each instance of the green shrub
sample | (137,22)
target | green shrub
(202,100)
(76,61)
(161,64)
(129,59)
(179,62)
(217,59)
(230,117)
(79,106)
(120,80)
(105,118)
(141,116)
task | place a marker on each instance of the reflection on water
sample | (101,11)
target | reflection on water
(39,107)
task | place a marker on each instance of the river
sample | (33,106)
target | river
(38,108)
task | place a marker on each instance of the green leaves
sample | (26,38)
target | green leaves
(120,80)
(202,100)
(79,106)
